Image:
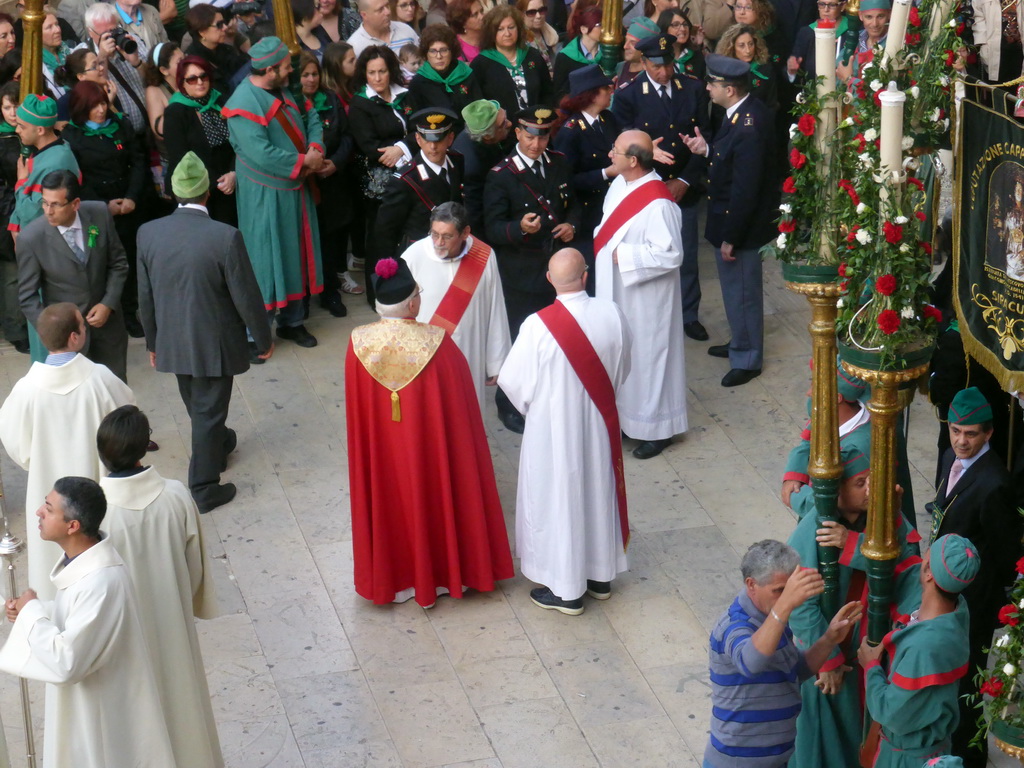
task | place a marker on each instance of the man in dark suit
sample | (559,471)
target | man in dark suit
(483,143)
(433,177)
(530,210)
(72,253)
(975,500)
(743,206)
(197,295)
(667,106)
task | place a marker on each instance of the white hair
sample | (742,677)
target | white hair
(766,559)
(100,12)
(398,311)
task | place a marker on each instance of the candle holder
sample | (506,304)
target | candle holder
(32,49)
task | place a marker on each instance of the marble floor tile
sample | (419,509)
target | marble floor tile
(685,693)
(653,742)
(242,689)
(266,743)
(330,711)
(540,733)
(657,631)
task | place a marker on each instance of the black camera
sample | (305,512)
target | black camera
(124,43)
(244,7)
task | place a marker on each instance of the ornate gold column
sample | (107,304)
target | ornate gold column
(32,48)
(285,28)
(611,35)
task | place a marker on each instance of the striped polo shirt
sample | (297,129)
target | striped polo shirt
(755,698)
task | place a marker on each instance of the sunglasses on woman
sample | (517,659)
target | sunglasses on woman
(193,79)
(543,10)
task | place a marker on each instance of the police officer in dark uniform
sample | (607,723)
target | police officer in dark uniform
(483,143)
(667,105)
(530,211)
(743,205)
(433,177)
(586,138)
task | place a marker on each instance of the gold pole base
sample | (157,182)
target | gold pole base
(1015,752)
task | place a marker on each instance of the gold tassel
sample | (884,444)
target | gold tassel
(396,408)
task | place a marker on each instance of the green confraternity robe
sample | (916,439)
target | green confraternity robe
(270,134)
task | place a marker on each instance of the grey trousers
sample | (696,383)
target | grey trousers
(206,399)
(743,295)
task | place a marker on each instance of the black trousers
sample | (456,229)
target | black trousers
(206,399)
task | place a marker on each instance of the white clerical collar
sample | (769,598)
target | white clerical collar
(642,179)
(732,110)
(529,161)
(435,168)
(658,86)
(76,224)
(563,297)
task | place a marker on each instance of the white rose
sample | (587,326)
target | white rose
(943,81)
(861,207)
(945,124)
(907,313)
(793,130)
(840,304)
(1021,605)
(863,236)
(907,143)
(780,241)
(876,85)
(905,248)
(786,208)
(1009,669)
(867,66)
(870,134)
(847,123)
(866,160)
(936,115)
(1003,641)
(915,92)
(952,23)
(901,219)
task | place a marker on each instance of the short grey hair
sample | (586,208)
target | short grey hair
(768,558)
(451,213)
(399,310)
(101,12)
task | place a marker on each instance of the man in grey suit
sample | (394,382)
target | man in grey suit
(197,295)
(72,253)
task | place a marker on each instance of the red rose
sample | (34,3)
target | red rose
(888,321)
(920,216)
(842,269)
(787,225)
(993,687)
(878,98)
(915,17)
(885,285)
(806,124)
(960,28)
(797,158)
(950,58)
(1008,615)
(1020,566)
(861,143)
(853,234)
(916,182)
(893,232)
(789,186)
(844,286)
(912,38)
(935,314)
(926,247)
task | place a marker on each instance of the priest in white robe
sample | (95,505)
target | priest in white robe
(48,423)
(461,292)
(102,704)
(639,251)
(569,533)
(154,525)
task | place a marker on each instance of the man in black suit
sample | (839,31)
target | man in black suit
(197,296)
(433,177)
(667,106)
(483,143)
(530,210)
(975,500)
(72,253)
(743,207)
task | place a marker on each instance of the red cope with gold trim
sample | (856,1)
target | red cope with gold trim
(456,299)
(630,206)
(592,374)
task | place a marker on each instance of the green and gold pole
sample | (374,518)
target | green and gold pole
(611,35)
(32,48)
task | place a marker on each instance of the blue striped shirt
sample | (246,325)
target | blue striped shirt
(755,698)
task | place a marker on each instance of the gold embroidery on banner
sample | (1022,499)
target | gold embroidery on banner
(394,352)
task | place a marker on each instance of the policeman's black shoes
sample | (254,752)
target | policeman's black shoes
(719,350)
(332,303)
(298,334)
(599,590)
(513,421)
(648,449)
(738,376)
(695,330)
(545,598)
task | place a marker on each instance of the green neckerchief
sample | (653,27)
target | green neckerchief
(574,50)
(460,72)
(372,95)
(54,60)
(495,55)
(681,61)
(320,101)
(107,130)
(6,127)
(756,71)
(211,102)
(840,28)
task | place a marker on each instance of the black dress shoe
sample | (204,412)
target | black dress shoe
(695,330)
(298,334)
(131,322)
(333,304)
(599,590)
(216,496)
(22,346)
(719,350)
(545,598)
(254,354)
(738,376)
(513,421)
(648,449)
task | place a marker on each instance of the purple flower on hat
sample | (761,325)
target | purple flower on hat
(386,268)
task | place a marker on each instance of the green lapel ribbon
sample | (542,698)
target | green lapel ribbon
(320,101)
(211,102)
(460,72)
(372,95)
(107,130)
(574,50)
(54,60)
(494,55)
(755,70)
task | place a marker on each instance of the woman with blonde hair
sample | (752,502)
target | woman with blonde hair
(741,41)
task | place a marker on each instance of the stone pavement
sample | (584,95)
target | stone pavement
(305,673)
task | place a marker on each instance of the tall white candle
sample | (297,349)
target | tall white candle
(891,154)
(825,56)
(897,33)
